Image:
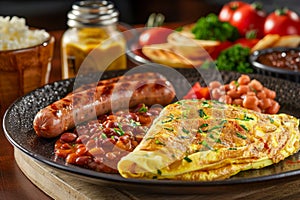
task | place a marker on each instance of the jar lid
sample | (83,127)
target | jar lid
(92,13)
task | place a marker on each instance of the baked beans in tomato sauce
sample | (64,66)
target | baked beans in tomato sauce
(289,59)
(100,144)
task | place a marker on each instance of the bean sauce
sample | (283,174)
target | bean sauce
(100,144)
(289,59)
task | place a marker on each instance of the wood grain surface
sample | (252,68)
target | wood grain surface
(60,185)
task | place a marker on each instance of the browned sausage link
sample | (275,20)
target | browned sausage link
(86,105)
(132,77)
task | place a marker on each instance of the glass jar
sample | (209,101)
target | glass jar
(93,41)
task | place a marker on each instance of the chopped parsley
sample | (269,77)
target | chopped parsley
(241,136)
(202,113)
(271,119)
(103,136)
(185,130)
(168,129)
(134,123)
(143,109)
(158,172)
(169,119)
(203,125)
(246,118)
(187,159)
(205,104)
(217,140)
(119,130)
(159,142)
(244,127)
(232,148)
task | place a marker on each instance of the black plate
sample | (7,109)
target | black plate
(17,124)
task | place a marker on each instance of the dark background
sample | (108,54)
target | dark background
(52,14)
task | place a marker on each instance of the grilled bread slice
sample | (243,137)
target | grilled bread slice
(165,54)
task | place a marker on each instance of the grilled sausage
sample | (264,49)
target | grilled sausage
(86,105)
(131,77)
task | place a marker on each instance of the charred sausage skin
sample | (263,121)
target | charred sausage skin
(87,104)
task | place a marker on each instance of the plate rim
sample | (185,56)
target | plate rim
(131,181)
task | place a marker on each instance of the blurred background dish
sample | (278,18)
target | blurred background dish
(25,58)
(281,62)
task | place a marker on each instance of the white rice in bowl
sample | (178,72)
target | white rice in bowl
(15,34)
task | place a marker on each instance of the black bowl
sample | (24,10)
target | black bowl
(268,70)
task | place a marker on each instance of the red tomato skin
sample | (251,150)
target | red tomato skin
(198,92)
(155,35)
(248,18)
(282,24)
(246,42)
(228,10)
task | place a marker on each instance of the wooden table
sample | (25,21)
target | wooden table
(15,185)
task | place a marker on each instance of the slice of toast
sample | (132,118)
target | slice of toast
(165,54)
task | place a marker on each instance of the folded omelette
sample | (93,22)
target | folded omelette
(207,140)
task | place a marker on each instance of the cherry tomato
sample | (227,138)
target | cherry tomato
(282,22)
(155,35)
(197,92)
(228,10)
(247,42)
(248,18)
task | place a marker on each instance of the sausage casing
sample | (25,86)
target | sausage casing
(85,105)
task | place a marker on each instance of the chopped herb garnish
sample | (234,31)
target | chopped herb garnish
(204,143)
(200,130)
(185,130)
(236,83)
(143,109)
(232,148)
(223,122)
(159,142)
(150,138)
(187,159)
(169,119)
(203,125)
(218,140)
(158,172)
(241,136)
(120,130)
(271,119)
(103,136)
(134,123)
(246,118)
(201,113)
(184,137)
(205,104)
(168,129)
(179,102)
(211,136)
(244,127)
(185,114)
(214,128)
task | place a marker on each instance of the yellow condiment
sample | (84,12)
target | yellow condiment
(93,46)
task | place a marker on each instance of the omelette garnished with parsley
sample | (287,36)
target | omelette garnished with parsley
(207,140)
